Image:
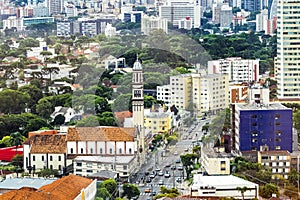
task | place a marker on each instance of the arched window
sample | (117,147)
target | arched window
(81,150)
(130,151)
(101,151)
(71,150)
(120,151)
(91,150)
(110,150)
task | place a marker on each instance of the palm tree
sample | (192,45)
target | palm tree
(242,190)
(16,139)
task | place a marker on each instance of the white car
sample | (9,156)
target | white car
(161,173)
(161,182)
(175,153)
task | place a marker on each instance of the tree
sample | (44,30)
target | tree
(188,162)
(267,190)
(102,193)
(17,161)
(16,140)
(242,190)
(90,121)
(12,101)
(45,107)
(47,173)
(6,141)
(122,102)
(130,190)
(36,124)
(110,185)
(35,94)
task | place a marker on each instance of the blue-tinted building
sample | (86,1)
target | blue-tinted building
(259,127)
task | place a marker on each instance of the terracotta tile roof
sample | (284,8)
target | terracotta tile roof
(47,143)
(100,134)
(122,115)
(66,188)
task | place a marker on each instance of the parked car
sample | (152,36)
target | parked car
(178,161)
(161,173)
(148,180)
(161,182)
(180,167)
(178,180)
(168,165)
(167,175)
(153,193)
(152,175)
(175,153)
(173,167)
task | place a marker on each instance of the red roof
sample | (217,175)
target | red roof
(6,154)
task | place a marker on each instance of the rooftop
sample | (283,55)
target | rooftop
(66,188)
(255,106)
(17,183)
(105,159)
(47,143)
(221,182)
(100,134)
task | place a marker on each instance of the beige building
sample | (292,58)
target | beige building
(278,161)
(207,93)
(181,91)
(158,122)
(215,161)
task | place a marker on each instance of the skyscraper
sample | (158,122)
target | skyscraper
(287,69)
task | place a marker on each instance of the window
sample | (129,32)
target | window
(110,150)
(51,158)
(254,123)
(277,124)
(78,170)
(254,116)
(59,167)
(91,150)
(51,166)
(89,170)
(89,164)
(101,151)
(124,167)
(42,158)
(71,150)
(223,168)
(78,164)
(33,158)
(81,150)
(130,151)
(277,116)
(222,162)
(120,151)
(59,158)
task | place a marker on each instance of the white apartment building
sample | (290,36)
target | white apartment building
(262,21)
(164,94)
(214,92)
(238,69)
(109,30)
(287,71)
(176,10)
(208,93)
(151,23)
(225,16)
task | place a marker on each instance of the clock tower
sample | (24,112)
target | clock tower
(138,107)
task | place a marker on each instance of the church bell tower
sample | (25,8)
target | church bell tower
(138,107)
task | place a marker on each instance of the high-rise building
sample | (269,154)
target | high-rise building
(287,71)
(176,10)
(55,6)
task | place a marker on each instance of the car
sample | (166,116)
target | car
(180,167)
(153,193)
(168,165)
(147,190)
(148,180)
(184,137)
(167,175)
(178,180)
(186,149)
(141,184)
(147,173)
(152,175)
(175,153)
(157,169)
(161,173)
(178,161)
(191,137)
(173,167)
(161,182)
